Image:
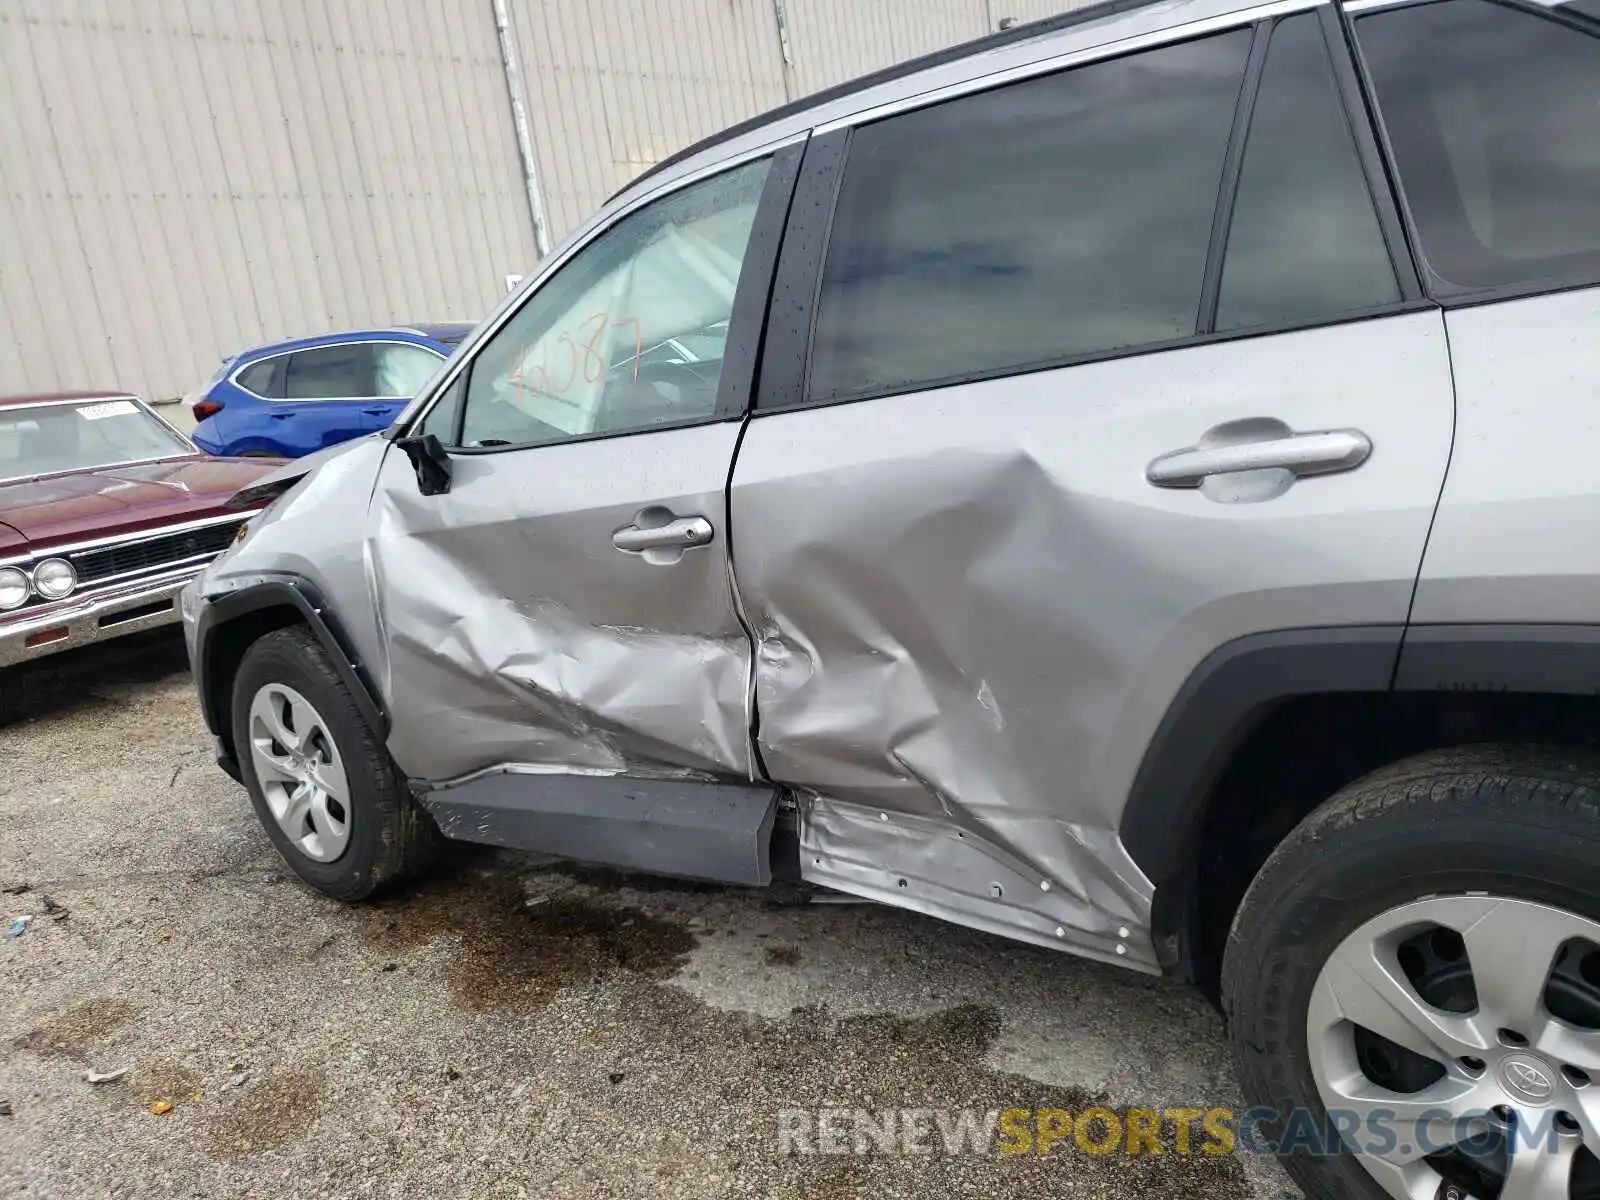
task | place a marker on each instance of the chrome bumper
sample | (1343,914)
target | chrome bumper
(90,619)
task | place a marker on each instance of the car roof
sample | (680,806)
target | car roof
(448,332)
(1009,36)
(965,66)
(51,397)
(384,333)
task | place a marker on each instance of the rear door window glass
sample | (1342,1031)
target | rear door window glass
(330,373)
(1304,244)
(1494,116)
(1062,216)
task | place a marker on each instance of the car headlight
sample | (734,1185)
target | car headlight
(54,578)
(13,589)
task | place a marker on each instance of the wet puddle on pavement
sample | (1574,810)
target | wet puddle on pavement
(79,1030)
(692,1087)
(622,1076)
(273,1111)
(510,954)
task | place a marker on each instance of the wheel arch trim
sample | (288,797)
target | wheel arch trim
(1551,659)
(1224,698)
(256,594)
(1239,684)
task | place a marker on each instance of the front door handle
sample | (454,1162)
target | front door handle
(675,533)
(1260,444)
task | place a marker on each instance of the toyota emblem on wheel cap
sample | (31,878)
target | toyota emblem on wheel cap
(1528,1079)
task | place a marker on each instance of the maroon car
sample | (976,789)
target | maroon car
(106,511)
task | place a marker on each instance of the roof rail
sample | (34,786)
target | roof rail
(993,41)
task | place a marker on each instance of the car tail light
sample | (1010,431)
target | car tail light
(206,408)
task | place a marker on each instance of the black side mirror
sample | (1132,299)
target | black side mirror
(429,461)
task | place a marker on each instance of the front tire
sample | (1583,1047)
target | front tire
(1429,939)
(319,778)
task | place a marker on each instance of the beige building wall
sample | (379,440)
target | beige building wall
(182,179)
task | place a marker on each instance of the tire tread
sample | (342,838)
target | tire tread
(408,841)
(1519,795)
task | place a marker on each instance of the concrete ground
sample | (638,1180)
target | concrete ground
(510,1028)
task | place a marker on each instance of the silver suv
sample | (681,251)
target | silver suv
(1128,484)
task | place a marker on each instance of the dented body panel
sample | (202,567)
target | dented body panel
(948,623)
(516,631)
(973,610)
(316,531)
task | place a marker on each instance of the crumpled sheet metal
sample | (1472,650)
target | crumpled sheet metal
(934,674)
(496,654)
(315,531)
(936,866)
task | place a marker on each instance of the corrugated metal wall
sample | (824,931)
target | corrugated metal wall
(880,32)
(617,85)
(181,179)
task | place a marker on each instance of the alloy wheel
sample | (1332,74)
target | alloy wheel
(301,773)
(1455,1042)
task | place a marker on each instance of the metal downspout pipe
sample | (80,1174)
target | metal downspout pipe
(519,122)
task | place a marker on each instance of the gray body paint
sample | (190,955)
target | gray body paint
(516,631)
(970,608)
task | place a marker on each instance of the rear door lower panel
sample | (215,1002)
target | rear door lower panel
(972,610)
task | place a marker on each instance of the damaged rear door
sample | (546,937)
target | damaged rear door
(1069,425)
(554,587)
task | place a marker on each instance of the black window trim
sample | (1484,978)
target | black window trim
(797,283)
(1244,108)
(784,380)
(1377,167)
(746,323)
(1455,296)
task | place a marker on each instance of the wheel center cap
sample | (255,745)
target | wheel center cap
(1528,1078)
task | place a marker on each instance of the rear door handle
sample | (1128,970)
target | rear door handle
(677,533)
(1260,444)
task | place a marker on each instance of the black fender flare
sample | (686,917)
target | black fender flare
(1234,688)
(1223,699)
(1221,703)
(223,610)
(1549,659)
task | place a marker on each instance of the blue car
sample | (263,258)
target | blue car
(291,398)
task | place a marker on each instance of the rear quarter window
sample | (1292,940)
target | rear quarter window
(263,378)
(1494,116)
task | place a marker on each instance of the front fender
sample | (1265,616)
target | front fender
(229,621)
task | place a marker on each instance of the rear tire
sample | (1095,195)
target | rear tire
(374,836)
(1497,840)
